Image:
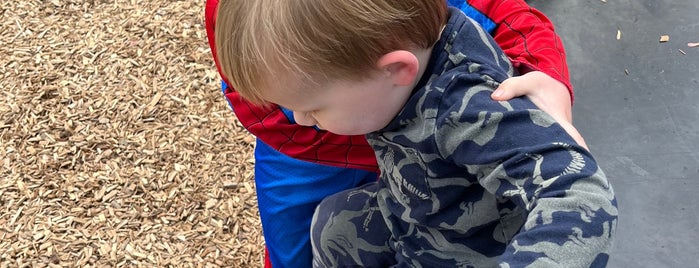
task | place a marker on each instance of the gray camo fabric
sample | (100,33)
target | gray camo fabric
(469,182)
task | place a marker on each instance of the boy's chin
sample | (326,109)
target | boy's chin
(349,132)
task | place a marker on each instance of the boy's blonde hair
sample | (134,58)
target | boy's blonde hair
(317,39)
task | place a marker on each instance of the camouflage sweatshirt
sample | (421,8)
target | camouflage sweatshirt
(470,181)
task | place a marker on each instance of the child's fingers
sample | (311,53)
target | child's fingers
(510,88)
(559,109)
(548,94)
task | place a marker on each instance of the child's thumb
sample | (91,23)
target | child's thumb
(506,90)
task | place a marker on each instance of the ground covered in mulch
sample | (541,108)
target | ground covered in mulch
(116,146)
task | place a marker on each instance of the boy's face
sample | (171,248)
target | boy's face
(341,107)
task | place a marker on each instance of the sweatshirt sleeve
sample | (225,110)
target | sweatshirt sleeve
(520,154)
(525,34)
(277,129)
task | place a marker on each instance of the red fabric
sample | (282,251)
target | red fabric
(268,262)
(524,33)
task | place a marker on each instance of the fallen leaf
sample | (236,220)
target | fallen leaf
(664,38)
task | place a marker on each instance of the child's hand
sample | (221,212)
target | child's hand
(549,94)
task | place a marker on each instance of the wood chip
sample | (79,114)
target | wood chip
(116,146)
(693,44)
(618,34)
(664,38)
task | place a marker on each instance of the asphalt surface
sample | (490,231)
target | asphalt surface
(636,106)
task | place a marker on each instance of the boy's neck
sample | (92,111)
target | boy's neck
(423,57)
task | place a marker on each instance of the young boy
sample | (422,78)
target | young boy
(465,181)
(296,166)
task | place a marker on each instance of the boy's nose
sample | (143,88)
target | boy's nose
(304,119)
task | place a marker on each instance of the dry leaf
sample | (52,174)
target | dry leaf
(664,38)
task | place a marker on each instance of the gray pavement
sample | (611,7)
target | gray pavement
(636,106)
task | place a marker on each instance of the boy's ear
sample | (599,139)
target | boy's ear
(401,66)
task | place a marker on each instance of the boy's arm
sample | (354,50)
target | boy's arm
(519,153)
(526,35)
(523,157)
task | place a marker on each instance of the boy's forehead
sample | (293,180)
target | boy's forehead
(281,84)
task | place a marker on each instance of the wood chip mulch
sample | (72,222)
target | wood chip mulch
(117,148)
